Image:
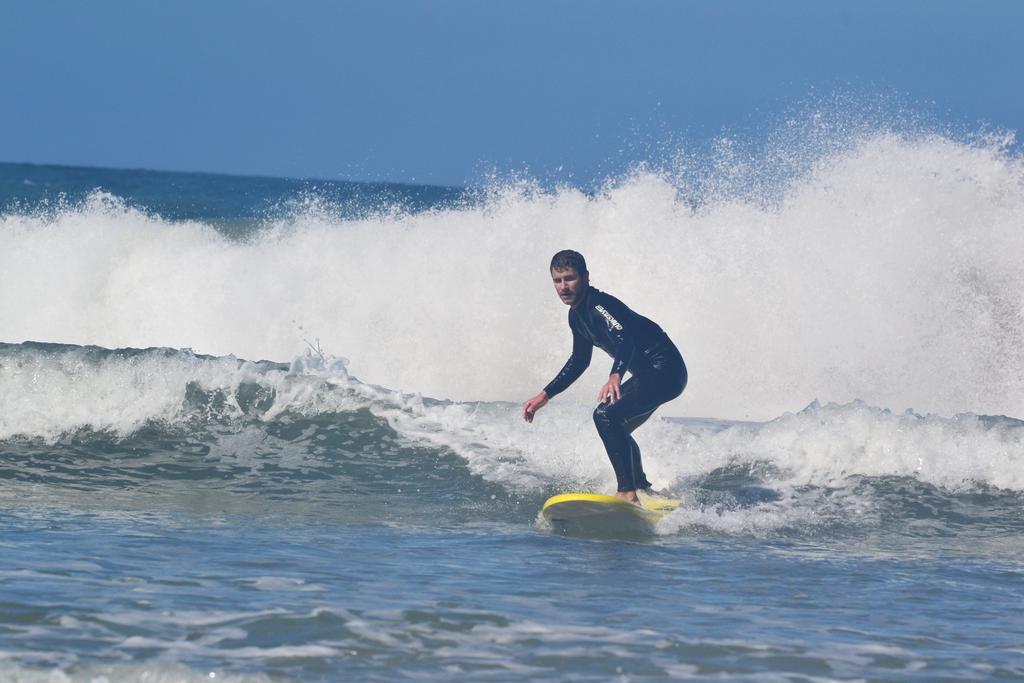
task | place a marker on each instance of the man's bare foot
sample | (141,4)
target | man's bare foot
(628,496)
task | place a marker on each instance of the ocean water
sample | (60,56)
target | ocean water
(257,429)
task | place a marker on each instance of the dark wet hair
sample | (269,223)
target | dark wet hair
(567,258)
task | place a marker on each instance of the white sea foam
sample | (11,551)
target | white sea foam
(47,394)
(819,446)
(822,445)
(157,672)
(890,272)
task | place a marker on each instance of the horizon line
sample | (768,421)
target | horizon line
(235,175)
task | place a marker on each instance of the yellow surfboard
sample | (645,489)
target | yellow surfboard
(598,514)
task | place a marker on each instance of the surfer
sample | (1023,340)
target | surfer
(657,371)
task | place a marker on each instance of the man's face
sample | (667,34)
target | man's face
(570,285)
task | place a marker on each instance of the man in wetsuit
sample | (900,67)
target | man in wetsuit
(636,344)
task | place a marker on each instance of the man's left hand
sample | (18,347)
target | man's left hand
(610,392)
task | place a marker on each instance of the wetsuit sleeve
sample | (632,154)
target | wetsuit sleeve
(622,337)
(582,350)
(625,347)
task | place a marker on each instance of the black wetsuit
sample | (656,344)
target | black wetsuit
(636,344)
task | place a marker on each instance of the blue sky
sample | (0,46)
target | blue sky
(444,92)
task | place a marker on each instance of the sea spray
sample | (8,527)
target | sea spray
(887,272)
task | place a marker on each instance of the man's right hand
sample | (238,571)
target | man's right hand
(533,405)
